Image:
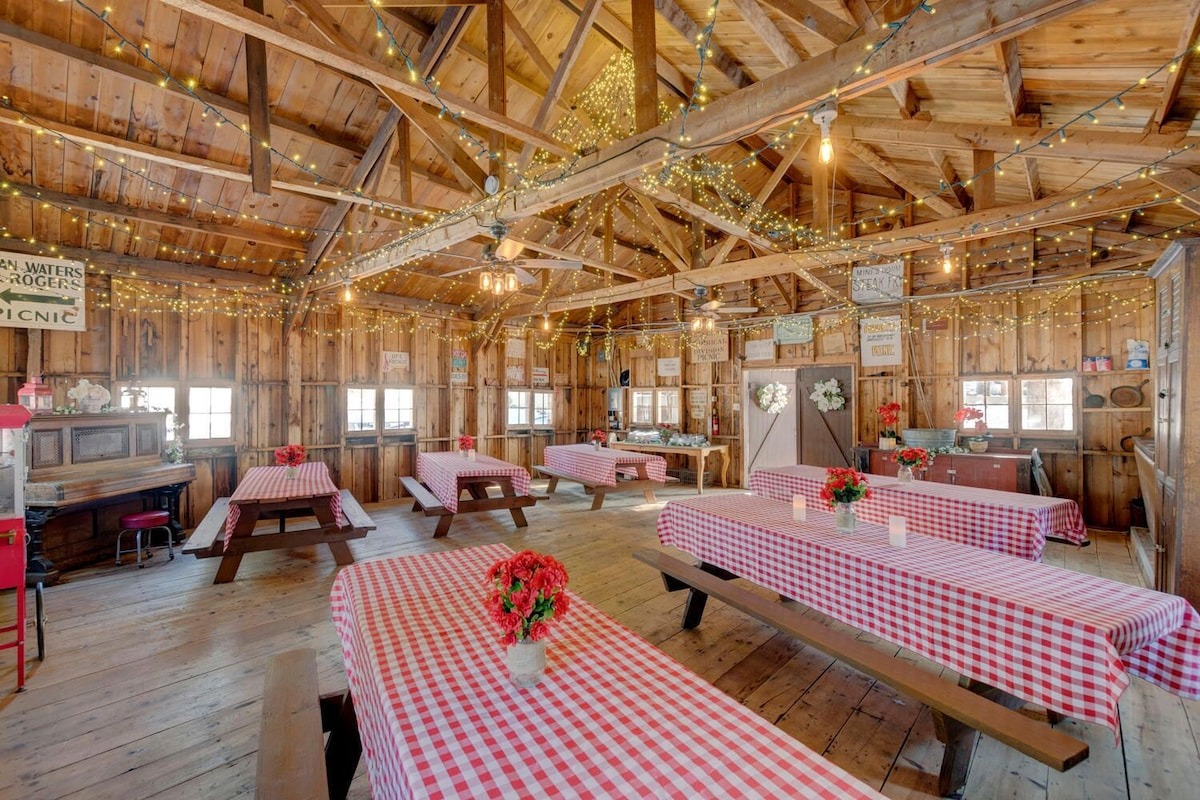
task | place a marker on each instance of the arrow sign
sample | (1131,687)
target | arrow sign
(9,296)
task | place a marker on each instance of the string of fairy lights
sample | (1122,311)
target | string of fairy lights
(763,220)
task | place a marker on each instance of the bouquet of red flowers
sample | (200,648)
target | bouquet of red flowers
(466,442)
(599,435)
(289,456)
(889,415)
(913,457)
(844,485)
(528,592)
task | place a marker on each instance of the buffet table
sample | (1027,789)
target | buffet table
(698,454)
(613,717)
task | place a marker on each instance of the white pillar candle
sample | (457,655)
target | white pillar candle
(897,530)
(799,508)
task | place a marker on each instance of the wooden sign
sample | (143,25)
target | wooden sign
(541,376)
(41,293)
(794,329)
(709,348)
(515,348)
(669,367)
(394,360)
(880,340)
(514,375)
(760,349)
(877,283)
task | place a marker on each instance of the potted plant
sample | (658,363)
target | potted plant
(529,591)
(971,415)
(466,446)
(910,458)
(889,416)
(290,457)
(598,438)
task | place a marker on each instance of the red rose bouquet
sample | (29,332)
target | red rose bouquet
(289,456)
(528,592)
(599,435)
(843,485)
(913,457)
(466,442)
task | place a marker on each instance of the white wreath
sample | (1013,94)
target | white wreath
(772,397)
(828,395)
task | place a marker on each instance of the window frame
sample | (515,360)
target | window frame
(634,395)
(375,411)
(524,394)
(187,390)
(383,410)
(1070,405)
(668,391)
(548,396)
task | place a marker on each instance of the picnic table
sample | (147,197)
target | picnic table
(603,470)
(443,477)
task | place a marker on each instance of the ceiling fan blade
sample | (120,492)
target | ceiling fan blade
(711,305)
(460,271)
(738,309)
(549,263)
(523,276)
(509,249)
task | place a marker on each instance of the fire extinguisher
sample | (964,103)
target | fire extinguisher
(716,427)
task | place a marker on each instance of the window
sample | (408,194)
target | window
(156,398)
(1047,404)
(642,407)
(399,411)
(990,397)
(666,406)
(518,407)
(543,409)
(360,410)
(210,412)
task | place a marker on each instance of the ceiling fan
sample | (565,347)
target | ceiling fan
(503,270)
(705,313)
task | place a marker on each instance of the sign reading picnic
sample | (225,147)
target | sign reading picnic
(37,292)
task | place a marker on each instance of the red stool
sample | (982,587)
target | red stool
(144,521)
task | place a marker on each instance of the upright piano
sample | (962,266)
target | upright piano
(87,469)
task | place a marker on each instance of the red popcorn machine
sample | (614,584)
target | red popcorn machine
(13,419)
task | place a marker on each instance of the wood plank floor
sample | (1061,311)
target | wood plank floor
(152,682)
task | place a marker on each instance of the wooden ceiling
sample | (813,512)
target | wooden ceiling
(287,147)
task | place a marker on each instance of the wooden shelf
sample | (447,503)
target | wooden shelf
(1122,453)
(1098,373)
(1116,409)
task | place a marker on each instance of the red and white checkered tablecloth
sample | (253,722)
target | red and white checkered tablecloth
(601,466)
(613,717)
(1006,522)
(1064,640)
(441,471)
(267,484)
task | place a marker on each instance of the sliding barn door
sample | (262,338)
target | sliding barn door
(825,439)
(770,439)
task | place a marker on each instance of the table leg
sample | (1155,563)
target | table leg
(443,526)
(724,454)
(648,492)
(341,553)
(227,571)
(700,472)
(598,497)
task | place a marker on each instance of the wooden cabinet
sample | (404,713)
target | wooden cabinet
(1006,472)
(1177,422)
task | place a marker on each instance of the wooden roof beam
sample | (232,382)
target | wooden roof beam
(960,28)
(645,76)
(906,99)
(678,19)
(571,51)
(1183,182)
(772,37)
(927,196)
(1009,59)
(151,216)
(1185,48)
(950,178)
(722,250)
(260,107)
(977,225)
(828,26)
(228,14)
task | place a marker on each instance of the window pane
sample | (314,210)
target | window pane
(518,407)
(1047,404)
(643,407)
(222,426)
(543,405)
(1059,390)
(210,412)
(398,411)
(156,398)
(1033,417)
(996,417)
(973,393)
(1033,391)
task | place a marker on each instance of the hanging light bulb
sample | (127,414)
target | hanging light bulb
(510,281)
(824,116)
(709,325)
(696,323)
(347,291)
(947,260)
(546,320)
(485,280)
(498,285)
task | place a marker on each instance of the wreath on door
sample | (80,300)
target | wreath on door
(772,397)
(828,395)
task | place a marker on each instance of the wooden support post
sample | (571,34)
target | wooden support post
(645,66)
(259,107)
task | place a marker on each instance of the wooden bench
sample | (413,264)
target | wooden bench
(294,761)
(597,490)
(960,711)
(208,539)
(425,500)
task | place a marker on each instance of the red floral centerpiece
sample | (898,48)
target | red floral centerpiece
(528,593)
(291,456)
(598,437)
(912,457)
(889,416)
(466,446)
(843,488)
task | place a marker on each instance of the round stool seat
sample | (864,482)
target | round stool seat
(144,519)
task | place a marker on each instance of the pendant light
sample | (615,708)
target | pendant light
(824,116)
(947,259)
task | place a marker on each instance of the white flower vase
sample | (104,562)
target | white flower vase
(596,445)
(844,518)
(90,406)
(526,663)
(904,474)
(471,454)
(291,472)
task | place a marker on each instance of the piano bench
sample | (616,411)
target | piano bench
(144,521)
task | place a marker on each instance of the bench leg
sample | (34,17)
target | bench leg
(518,516)
(344,747)
(598,498)
(693,609)
(443,526)
(229,567)
(649,495)
(552,485)
(960,745)
(341,553)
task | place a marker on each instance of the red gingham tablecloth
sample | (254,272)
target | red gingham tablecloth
(613,717)
(440,472)
(1006,522)
(1061,639)
(266,484)
(601,466)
